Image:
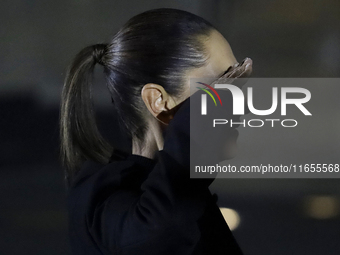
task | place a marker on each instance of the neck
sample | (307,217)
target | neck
(152,143)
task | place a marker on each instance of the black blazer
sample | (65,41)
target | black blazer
(140,206)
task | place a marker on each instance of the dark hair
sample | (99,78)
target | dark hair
(156,46)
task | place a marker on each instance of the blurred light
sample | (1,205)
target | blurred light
(231,217)
(322,207)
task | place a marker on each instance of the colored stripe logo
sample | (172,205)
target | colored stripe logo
(213,90)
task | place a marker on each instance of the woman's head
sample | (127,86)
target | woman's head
(147,66)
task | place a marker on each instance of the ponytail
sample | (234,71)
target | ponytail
(79,134)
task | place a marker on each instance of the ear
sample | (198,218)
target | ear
(158,102)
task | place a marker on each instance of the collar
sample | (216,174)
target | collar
(141,160)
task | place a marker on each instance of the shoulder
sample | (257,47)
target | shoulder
(102,193)
(91,172)
(95,182)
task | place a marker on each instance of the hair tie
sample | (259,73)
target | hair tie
(98,52)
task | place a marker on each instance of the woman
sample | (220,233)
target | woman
(144,202)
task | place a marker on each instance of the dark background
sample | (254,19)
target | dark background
(285,38)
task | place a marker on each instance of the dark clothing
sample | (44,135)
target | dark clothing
(140,206)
